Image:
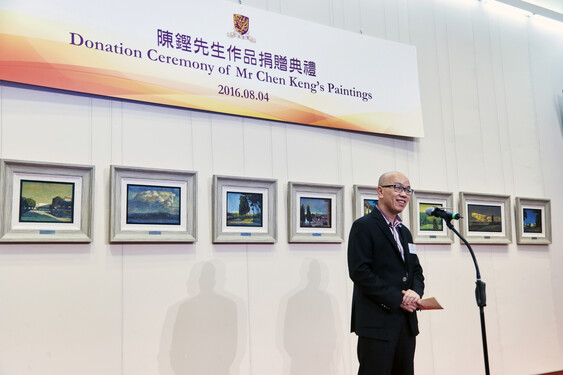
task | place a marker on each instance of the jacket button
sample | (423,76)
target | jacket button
(405,279)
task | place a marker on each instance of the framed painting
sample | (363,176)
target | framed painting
(430,229)
(485,218)
(533,221)
(316,212)
(152,205)
(244,210)
(44,202)
(365,199)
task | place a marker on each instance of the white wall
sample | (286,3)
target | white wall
(490,87)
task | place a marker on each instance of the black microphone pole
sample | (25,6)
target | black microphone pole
(480,295)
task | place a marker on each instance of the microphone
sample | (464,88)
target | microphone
(439,212)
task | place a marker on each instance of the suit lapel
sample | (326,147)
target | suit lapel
(384,227)
(404,242)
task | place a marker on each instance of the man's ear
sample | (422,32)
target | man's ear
(379,191)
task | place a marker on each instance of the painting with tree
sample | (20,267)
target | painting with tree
(485,218)
(244,209)
(46,201)
(369,205)
(533,221)
(429,223)
(365,199)
(425,228)
(315,212)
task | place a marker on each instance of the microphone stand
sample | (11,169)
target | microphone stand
(480,294)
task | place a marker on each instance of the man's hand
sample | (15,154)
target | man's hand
(409,308)
(410,300)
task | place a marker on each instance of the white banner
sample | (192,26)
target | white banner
(215,56)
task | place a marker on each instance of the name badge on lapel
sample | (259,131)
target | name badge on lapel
(412,248)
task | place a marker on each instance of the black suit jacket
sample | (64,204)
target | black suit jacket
(379,275)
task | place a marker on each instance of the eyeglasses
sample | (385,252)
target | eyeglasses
(399,188)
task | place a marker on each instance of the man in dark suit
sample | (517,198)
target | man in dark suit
(388,283)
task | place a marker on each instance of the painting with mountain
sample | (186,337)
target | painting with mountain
(148,204)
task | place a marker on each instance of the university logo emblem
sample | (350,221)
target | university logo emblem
(241,23)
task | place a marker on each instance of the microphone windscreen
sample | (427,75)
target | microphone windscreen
(430,210)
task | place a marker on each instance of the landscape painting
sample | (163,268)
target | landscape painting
(156,205)
(532,219)
(369,204)
(484,218)
(315,212)
(244,209)
(46,201)
(429,223)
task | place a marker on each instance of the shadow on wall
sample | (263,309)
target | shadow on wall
(560,101)
(201,334)
(310,334)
